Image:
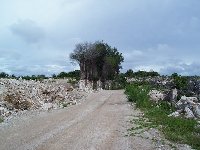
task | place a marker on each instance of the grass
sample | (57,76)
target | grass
(179,130)
(1,119)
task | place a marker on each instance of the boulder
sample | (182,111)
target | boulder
(196,110)
(191,100)
(174,95)
(189,113)
(181,104)
(156,95)
(186,101)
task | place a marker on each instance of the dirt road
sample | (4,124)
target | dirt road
(100,122)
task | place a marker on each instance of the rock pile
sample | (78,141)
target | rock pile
(169,95)
(156,81)
(188,107)
(17,95)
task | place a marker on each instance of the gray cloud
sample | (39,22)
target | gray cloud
(160,35)
(28,30)
(183,69)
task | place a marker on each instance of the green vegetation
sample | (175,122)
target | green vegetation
(175,129)
(97,61)
(65,104)
(130,73)
(5,75)
(180,82)
(119,82)
(34,77)
(72,74)
(1,119)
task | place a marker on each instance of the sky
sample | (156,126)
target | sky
(37,36)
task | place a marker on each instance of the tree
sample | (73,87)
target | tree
(129,73)
(97,61)
(72,74)
(180,82)
(146,74)
(4,75)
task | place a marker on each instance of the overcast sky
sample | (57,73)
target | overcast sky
(37,36)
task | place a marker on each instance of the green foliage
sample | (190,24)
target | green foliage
(4,75)
(72,81)
(175,129)
(34,77)
(146,74)
(119,82)
(180,82)
(98,61)
(139,95)
(72,74)
(1,119)
(65,104)
(129,73)
(13,76)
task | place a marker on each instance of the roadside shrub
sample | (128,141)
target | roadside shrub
(139,95)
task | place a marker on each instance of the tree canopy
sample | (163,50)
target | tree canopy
(130,73)
(97,61)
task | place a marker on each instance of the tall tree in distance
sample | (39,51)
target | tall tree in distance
(97,61)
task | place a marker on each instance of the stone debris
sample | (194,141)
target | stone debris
(189,113)
(174,114)
(196,109)
(19,95)
(156,95)
(188,107)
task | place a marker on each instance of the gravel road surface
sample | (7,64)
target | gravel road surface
(98,123)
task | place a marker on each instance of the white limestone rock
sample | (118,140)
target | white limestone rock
(19,95)
(47,106)
(189,113)
(174,94)
(174,114)
(156,95)
(196,110)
